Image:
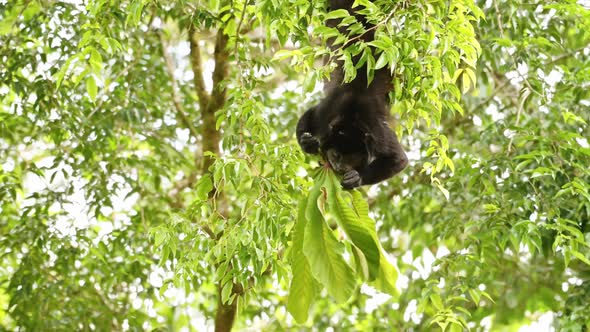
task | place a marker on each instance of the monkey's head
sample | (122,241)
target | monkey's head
(346,146)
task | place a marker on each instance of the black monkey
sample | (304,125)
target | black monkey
(349,127)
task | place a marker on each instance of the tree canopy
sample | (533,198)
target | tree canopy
(150,178)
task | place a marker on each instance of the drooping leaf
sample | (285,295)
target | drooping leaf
(91,87)
(325,253)
(359,229)
(303,287)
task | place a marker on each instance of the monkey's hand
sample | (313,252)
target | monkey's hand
(309,144)
(351,179)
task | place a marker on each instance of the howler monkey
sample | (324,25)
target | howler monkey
(349,127)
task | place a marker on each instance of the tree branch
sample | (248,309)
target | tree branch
(197,66)
(495,92)
(566,55)
(226,312)
(220,72)
(211,136)
(499,18)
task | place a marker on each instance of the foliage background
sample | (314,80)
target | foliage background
(111,217)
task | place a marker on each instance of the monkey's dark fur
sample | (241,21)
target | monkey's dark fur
(349,127)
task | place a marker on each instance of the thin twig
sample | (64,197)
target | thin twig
(374,27)
(499,18)
(209,232)
(567,55)
(246,2)
(492,95)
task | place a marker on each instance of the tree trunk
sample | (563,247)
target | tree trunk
(209,105)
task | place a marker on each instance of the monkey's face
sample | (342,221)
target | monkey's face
(344,162)
(346,148)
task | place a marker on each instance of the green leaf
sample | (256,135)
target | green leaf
(91,87)
(387,277)
(284,54)
(59,76)
(382,61)
(436,301)
(475,296)
(134,11)
(388,274)
(95,61)
(32,9)
(338,13)
(312,205)
(326,32)
(204,187)
(359,228)
(325,253)
(362,267)
(580,256)
(303,286)
(456,326)
(226,291)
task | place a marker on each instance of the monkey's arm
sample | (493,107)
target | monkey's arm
(389,159)
(306,132)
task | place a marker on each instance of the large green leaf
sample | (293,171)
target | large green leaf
(325,252)
(311,209)
(388,274)
(360,229)
(387,277)
(303,287)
